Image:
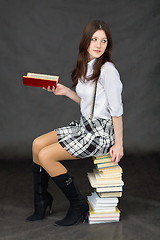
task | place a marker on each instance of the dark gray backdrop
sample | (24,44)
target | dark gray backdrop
(43,37)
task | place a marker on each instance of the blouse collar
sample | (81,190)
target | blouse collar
(91,63)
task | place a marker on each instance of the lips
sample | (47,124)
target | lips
(97,51)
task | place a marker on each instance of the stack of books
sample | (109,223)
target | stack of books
(107,181)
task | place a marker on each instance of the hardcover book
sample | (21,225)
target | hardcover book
(103,217)
(110,170)
(101,209)
(104,156)
(107,176)
(103,214)
(96,184)
(109,189)
(40,80)
(101,160)
(106,164)
(98,200)
(109,194)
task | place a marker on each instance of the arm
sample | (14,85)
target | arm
(63,90)
(116,151)
(113,87)
(73,96)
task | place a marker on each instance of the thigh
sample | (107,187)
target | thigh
(50,156)
(53,153)
(41,142)
(46,139)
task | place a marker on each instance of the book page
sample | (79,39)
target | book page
(43,76)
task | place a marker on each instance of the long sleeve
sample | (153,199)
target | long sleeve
(113,89)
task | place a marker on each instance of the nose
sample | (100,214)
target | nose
(98,44)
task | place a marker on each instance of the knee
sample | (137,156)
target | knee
(36,146)
(42,156)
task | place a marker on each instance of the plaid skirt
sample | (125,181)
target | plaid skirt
(87,137)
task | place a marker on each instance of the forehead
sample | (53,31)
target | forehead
(99,34)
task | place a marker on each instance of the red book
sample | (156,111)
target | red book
(40,80)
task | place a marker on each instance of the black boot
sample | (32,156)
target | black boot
(42,198)
(78,209)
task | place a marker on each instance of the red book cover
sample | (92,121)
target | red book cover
(40,80)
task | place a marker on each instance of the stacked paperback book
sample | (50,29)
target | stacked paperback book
(107,181)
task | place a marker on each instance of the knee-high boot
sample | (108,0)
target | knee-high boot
(42,198)
(78,209)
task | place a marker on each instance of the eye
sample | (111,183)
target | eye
(94,39)
(104,41)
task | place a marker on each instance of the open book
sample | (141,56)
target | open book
(40,80)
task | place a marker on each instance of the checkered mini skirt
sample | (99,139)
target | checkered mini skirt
(87,137)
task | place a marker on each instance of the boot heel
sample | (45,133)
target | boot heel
(78,210)
(42,198)
(85,217)
(50,208)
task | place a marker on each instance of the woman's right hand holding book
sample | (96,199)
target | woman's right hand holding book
(59,90)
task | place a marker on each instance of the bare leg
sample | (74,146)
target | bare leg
(41,142)
(42,198)
(50,156)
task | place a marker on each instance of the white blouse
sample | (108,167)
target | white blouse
(108,101)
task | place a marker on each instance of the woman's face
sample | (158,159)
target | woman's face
(97,45)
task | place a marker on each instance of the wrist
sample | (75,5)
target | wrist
(68,90)
(118,144)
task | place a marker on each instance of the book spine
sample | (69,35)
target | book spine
(39,82)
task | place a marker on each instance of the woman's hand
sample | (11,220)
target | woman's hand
(59,90)
(116,152)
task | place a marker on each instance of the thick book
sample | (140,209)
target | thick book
(96,184)
(40,80)
(111,179)
(110,170)
(101,205)
(94,197)
(103,214)
(101,209)
(99,176)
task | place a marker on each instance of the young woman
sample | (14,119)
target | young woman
(85,138)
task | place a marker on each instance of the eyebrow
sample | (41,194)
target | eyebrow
(97,37)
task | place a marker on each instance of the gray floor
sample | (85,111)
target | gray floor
(140,204)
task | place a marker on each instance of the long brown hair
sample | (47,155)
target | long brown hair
(81,68)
